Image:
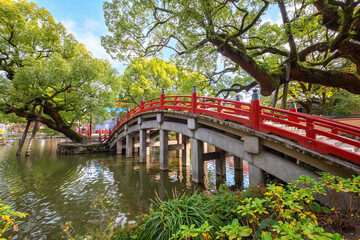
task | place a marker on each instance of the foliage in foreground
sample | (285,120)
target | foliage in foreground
(280,212)
(181,211)
(7,218)
(2,137)
(274,212)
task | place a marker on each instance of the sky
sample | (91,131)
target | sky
(85,20)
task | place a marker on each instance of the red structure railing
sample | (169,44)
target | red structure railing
(316,133)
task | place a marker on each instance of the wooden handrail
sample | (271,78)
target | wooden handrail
(260,118)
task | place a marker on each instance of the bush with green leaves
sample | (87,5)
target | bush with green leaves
(168,217)
(8,218)
(276,212)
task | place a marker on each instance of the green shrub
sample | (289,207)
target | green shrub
(7,218)
(275,212)
(225,202)
(169,216)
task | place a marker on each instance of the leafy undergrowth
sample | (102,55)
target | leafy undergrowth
(272,212)
(8,218)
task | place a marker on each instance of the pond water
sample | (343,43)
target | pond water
(55,189)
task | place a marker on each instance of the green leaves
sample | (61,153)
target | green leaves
(278,212)
(42,62)
(181,217)
(8,218)
(235,231)
(210,36)
(147,77)
(192,232)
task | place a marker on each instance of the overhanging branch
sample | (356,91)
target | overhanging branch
(236,88)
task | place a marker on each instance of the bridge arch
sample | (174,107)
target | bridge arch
(264,152)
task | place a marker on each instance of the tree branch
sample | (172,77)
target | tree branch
(293,52)
(236,88)
(347,81)
(269,50)
(320,47)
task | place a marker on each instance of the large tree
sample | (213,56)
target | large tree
(318,42)
(145,78)
(40,64)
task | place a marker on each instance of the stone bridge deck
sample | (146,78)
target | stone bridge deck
(283,143)
(264,152)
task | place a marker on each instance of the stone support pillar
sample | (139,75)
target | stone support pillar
(148,140)
(239,172)
(221,164)
(164,150)
(136,140)
(197,162)
(179,141)
(129,145)
(205,147)
(238,163)
(256,176)
(186,151)
(142,141)
(119,147)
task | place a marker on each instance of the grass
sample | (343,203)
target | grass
(168,216)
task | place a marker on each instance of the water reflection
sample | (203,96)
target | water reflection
(55,189)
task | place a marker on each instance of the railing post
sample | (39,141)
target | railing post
(128,113)
(220,107)
(194,100)
(293,109)
(176,104)
(334,131)
(162,99)
(237,105)
(255,110)
(310,131)
(142,104)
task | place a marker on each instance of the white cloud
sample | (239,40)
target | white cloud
(89,32)
(272,20)
(84,33)
(272,16)
(68,24)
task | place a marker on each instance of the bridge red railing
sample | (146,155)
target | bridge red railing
(322,135)
(103,137)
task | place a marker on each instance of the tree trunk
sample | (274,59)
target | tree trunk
(306,106)
(22,141)
(284,96)
(275,98)
(36,127)
(324,106)
(55,122)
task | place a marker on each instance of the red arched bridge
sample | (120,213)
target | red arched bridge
(284,143)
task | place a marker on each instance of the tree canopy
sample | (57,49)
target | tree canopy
(41,63)
(318,42)
(145,78)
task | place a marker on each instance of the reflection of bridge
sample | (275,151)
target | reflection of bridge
(283,143)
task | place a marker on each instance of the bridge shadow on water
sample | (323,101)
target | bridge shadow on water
(150,183)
